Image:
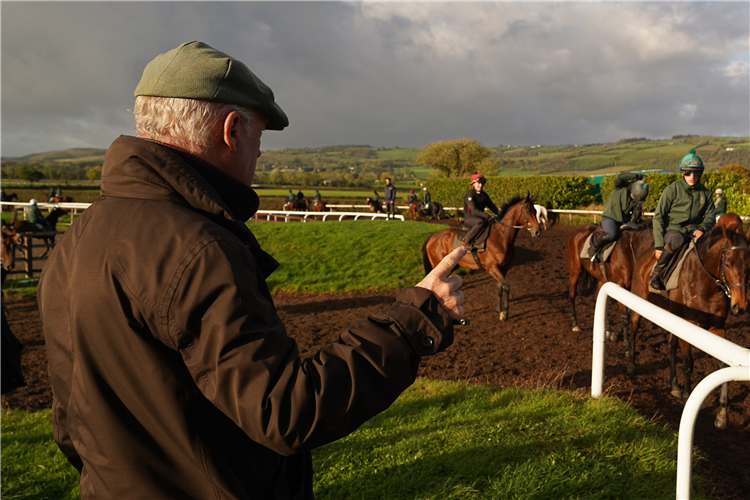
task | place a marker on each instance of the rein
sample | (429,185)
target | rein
(526,219)
(721,282)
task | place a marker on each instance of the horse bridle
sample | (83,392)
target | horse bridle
(722,282)
(526,219)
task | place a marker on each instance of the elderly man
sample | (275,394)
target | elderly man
(172,373)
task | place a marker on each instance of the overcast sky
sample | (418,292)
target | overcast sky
(392,73)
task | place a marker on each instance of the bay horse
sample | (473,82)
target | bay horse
(375,206)
(61,199)
(318,206)
(24,226)
(618,269)
(516,213)
(434,209)
(731,221)
(713,281)
(10,239)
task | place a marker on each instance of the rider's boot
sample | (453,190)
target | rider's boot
(469,238)
(597,244)
(655,280)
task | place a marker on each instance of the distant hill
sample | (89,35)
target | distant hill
(364,165)
(62,155)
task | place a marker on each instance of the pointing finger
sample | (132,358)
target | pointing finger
(446,265)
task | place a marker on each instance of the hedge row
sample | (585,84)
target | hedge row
(569,192)
(552,191)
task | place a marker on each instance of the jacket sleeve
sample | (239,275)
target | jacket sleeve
(709,217)
(661,217)
(239,354)
(624,178)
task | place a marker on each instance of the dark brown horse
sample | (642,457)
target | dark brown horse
(516,213)
(618,269)
(375,206)
(435,210)
(27,227)
(713,281)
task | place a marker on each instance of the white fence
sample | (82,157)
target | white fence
(737,357)
(305,216)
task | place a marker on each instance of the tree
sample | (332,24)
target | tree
(30,174)
(94,174)
(458,157)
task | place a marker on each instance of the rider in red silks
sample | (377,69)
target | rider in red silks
(475,201)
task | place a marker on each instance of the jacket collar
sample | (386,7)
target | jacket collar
(142,169)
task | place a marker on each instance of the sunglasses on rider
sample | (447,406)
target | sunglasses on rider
(695,173)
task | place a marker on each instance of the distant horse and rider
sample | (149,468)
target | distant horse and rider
(51,220)
(417,210)
(499,246)
(375,205)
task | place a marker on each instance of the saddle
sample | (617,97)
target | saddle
(607,249)
(671,277)
(480,242)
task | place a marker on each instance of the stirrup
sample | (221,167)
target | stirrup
(657,284)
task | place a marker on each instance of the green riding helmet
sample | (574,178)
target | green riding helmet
(691,161)
(639,190)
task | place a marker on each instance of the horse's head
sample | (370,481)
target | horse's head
(731,221)
(735,268)
(9,241)
(527,216)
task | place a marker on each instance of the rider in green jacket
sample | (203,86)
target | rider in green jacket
(624,205)
(685,209)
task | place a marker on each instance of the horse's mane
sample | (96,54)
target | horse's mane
(647,225)
(507,204)
(708,240)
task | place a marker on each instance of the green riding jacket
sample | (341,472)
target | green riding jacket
(683,208)
(620,207)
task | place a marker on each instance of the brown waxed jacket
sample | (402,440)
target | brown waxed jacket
(173,376)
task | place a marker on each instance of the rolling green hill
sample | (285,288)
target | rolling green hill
(366,166)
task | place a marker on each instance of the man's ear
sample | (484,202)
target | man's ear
(232,132)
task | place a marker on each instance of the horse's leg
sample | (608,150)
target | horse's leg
(676,391)
(624,321)
(721,418)
(687,368)
(628,342)
(574,271)
(503,299)
(503,290)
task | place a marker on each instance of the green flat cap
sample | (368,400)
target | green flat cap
(196,71)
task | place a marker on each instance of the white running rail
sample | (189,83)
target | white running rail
(737,357)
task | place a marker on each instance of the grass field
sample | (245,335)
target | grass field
(439,440)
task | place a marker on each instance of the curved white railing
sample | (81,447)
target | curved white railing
(737,357)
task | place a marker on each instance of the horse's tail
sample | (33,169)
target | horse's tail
(425,259)
(586,284)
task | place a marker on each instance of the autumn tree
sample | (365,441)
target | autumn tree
(458,157)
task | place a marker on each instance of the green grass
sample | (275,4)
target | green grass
(439,440)
(33,467)
(346,255)
(444,440)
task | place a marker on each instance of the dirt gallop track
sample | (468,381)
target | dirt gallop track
(534,347)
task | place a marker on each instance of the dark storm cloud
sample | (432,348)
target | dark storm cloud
(391,74)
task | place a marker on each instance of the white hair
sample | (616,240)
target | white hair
(191,124)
